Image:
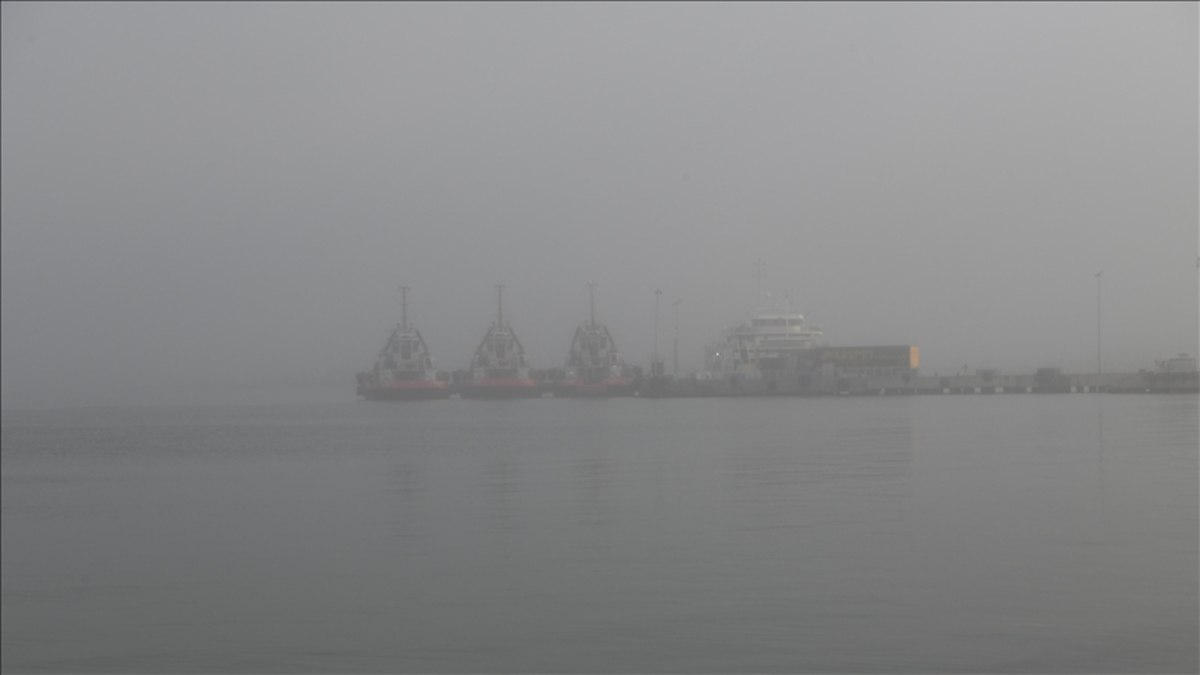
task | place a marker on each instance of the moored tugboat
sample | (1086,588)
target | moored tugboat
(404,368)
(594,366)
(499,368)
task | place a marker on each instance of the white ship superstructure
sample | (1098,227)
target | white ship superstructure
(762,342)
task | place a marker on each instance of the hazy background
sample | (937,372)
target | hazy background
(210,201)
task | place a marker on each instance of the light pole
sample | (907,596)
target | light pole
(1099,363)
(656,365)
(657,295)
(675,348)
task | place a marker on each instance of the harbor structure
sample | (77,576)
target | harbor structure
(775,352)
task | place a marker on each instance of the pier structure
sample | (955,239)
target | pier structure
(814,378)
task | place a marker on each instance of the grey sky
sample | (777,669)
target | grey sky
(206,197)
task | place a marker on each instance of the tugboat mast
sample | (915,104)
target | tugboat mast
(404,308)
(499,305)
(592,297)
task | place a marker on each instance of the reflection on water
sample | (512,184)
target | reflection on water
(1025,533)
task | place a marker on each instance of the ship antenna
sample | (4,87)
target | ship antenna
(499,305)
(404,308)
(592,297)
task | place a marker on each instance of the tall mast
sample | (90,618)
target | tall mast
(404,308)
(499,305)
(592,295)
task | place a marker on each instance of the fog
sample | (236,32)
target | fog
(206,200)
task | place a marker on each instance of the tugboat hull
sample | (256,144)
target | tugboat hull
(423,391)
(503,388)
(611,387)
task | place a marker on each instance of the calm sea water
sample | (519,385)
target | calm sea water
(1021,533)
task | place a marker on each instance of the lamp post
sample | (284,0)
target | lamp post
(675,348)
(657,295)
(1099,362)
(656,367)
